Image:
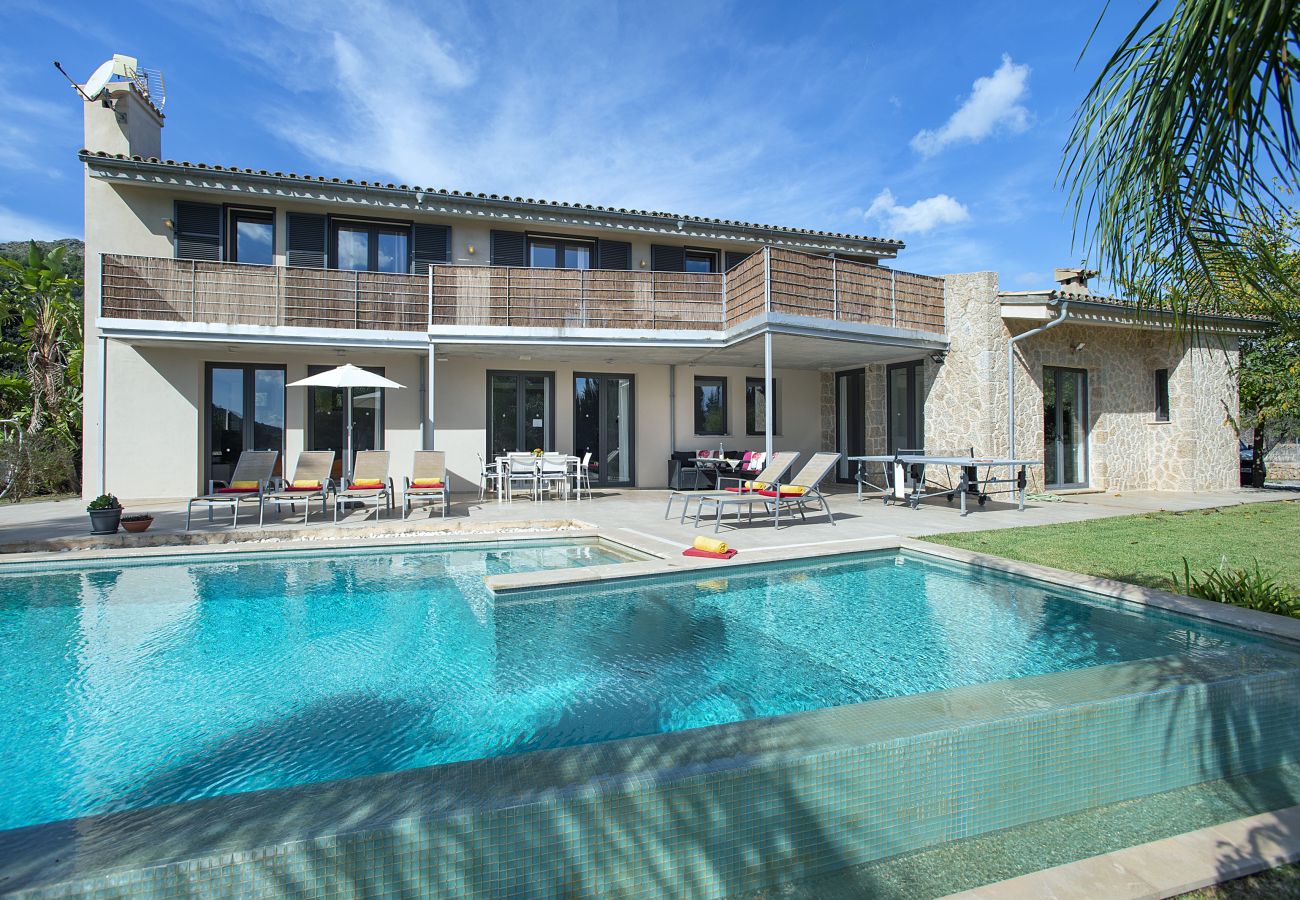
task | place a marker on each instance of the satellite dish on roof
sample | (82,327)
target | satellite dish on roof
(99,79)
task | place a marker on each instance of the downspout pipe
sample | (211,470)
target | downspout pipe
(1011,373)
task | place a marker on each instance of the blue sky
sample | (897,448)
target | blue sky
(941,124)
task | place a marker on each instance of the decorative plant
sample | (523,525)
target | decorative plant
(538,451)
(138,517)
(104,501)
(1240,587)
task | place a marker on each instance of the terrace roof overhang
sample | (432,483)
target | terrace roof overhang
(798,342)
(348,196)
(1086,309)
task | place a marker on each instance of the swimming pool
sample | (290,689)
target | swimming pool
(137,687)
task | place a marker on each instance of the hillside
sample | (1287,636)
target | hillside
(75,260)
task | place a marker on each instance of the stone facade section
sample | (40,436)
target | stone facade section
(966,396)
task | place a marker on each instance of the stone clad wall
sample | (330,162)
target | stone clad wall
(966,397)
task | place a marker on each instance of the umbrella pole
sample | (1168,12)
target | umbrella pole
(348,412)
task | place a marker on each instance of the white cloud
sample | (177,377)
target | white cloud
(917,218)
(17,226)
(994,102)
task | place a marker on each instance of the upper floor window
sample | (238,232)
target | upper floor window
(371,248)
(701,261)
(1162,395)
(555,253)
(250,237)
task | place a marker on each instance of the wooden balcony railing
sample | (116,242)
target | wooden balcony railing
(780,281)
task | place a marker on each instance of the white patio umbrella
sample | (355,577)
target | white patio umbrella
(346,376)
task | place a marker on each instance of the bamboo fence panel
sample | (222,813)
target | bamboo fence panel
(745,290)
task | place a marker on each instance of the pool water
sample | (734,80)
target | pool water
(122,688)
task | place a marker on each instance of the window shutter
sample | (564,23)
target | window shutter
(429,244)
(305,240)
(613,255)
(735,258)
(198,230)
(509,248)
(667,259)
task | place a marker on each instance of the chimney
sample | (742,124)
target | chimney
(1075,280)
(122,119)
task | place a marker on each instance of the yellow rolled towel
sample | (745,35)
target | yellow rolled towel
(710,545)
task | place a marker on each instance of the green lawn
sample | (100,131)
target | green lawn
(1146,549)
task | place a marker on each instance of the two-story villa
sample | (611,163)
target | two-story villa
(518,323)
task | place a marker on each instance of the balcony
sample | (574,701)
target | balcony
(776,281)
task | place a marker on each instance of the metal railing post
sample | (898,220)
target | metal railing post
(724,299)
(194,299)
(356,299)
(767,278)
(893,298)
(835,291)
(430,322)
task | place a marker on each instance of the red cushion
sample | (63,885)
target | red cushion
(237,490)
(708,554)
(784,493)
(310,490)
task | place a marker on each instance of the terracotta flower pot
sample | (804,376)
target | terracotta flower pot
(138,525)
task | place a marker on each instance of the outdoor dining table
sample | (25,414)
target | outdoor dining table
(571,464)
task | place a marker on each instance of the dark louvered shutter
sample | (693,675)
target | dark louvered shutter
(198,230)
(508,248)
(735,258)
(667,259)
(429,244)
(613,255)
(305,240)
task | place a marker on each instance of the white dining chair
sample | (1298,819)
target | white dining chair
(520,469)
(489,477)
(552,470)
(582,475)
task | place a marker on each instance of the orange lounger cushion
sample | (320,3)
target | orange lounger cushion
(304,484)
(367,484)
(427,483)
(785,492)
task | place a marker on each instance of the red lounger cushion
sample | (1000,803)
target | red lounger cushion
(705,554)
(790,493)
(310,490)
(236,490)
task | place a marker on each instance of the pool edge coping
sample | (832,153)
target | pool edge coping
(1164,868)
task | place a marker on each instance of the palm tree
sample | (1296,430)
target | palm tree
(1184,144)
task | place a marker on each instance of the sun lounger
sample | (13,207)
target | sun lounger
(370,481)
(248,484)
(803,487)
(772,472)
(310,482)
(428,480)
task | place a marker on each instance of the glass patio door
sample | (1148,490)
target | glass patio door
(850,421)
(603,426)
(906,406)
(244,410)
(520,412)
(1065,427)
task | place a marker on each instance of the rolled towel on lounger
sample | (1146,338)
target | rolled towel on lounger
(710,545)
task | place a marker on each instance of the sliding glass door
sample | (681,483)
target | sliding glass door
(244,410)
(602,426)
(850,420)
(520,415)
(1065,427)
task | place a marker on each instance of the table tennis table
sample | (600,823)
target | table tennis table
(910,485)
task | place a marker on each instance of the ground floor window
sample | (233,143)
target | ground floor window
(327,422)
(710,405)
(1065,427)
(244,410)
(756,406)
(1162,395)
(521,414)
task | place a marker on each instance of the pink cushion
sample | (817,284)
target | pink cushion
(229,490)
(784,493)
(708,554)
(704,454)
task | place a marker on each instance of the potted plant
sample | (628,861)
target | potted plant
(137,522)
(105,514)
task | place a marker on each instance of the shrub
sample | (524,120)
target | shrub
(47,464)
(1240,587)
(138,517)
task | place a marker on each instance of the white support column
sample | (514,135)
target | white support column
(767,395)
(430,399)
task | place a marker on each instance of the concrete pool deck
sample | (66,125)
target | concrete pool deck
(633,516)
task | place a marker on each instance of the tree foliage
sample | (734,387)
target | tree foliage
(1180,147)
